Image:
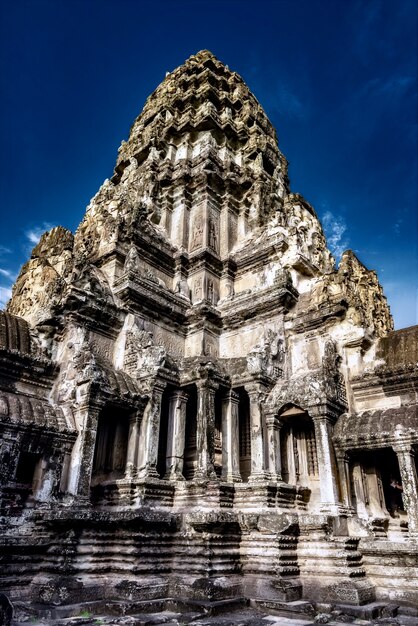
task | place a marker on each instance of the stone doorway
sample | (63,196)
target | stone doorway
(109,461)
(244,434)
(190,447)
(163,432)
(298,451)
(218,461)
(376,486)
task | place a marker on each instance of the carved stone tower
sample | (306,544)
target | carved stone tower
(201,374)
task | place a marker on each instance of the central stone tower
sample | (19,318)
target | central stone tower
(198,357)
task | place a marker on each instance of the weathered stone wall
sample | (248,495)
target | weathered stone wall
(194,401)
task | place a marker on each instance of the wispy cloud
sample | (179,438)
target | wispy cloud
(5,295)
(387,86)
(7,274)
(401,217)
(4,250)
(290,104)
(35,233)
(278,96)
(335,230)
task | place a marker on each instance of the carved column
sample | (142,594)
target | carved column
(87,417)
(344,475)
(326,466)
(256,397)
(176,436)
(224,244)
(205,433)
(273,458)
(407,467)
(46,477)
(230,437)
(133,445)
(149,434)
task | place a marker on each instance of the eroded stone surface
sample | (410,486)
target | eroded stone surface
(195,402)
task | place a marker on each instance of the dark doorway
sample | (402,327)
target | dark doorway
(244,434)
(163,433)
(109,459)
(190,451)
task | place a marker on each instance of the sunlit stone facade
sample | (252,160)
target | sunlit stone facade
(195,402)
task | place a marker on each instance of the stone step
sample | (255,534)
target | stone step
(373,610)
(133,608)
(209,607)
(297,608)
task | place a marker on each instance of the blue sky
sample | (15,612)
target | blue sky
(338,79)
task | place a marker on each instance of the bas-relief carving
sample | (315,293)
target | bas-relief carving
(183,289)
(197,289)
(213,233)
(211,291)
(173,344)
(103,346)
(142,355)
(132,261)
(210,347)
(243,175)
(267,357)
(237,343)
(196,231)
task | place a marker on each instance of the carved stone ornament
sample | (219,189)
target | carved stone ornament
(197,406)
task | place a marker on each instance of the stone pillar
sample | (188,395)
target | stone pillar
(230,437)
(81,465)
(45,478)
(256,397)
(133,445)
(205,430)
(149,435)
(407,467)
(175,436)
(273,457)
(326,466)
(65,471)
(224,232)
(344,475)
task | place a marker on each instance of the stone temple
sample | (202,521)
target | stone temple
(196,405)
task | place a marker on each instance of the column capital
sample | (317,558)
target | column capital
(272,419)
(205,383)
(231,396)
(180,395)
(322,413)
(319,417)
(404,448)
(342,455)
(158,387)
(256,392)
(93,408)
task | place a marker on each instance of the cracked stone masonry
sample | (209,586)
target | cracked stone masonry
(196,403)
